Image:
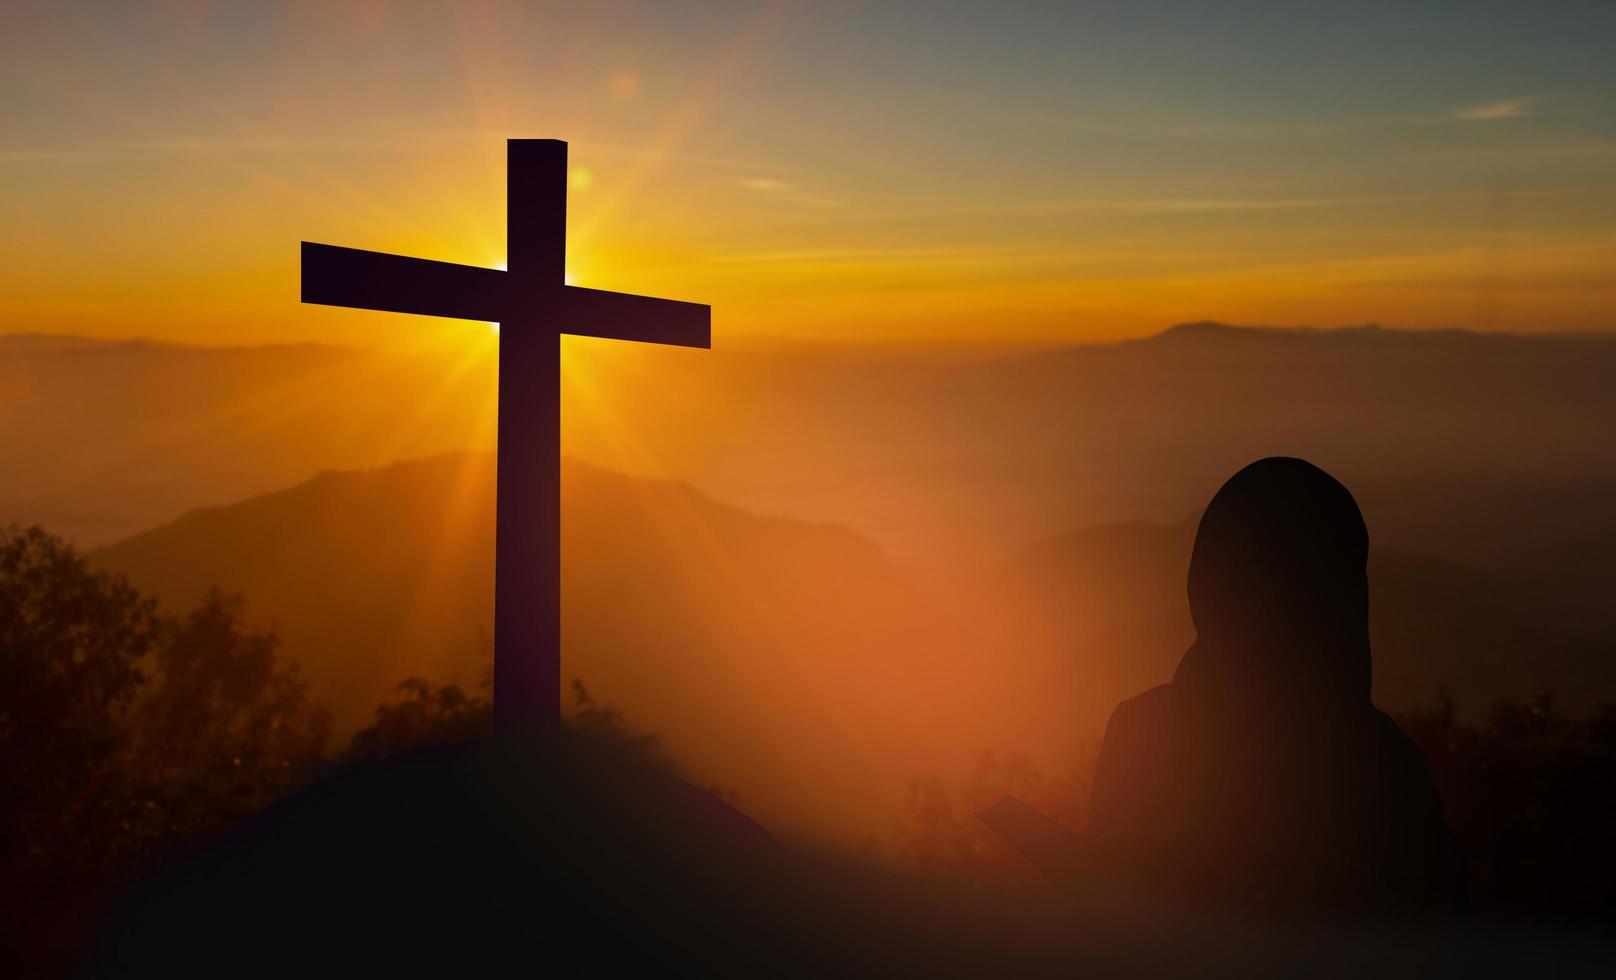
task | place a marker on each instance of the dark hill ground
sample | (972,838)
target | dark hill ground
(555,858)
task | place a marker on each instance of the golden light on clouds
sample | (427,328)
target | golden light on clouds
(745,165)
(1503,109)
(624,85)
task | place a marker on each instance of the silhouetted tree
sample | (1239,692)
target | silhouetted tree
(126,735)
(604,725)
(225,728)
(938,830)
(1531,796)
(419,713)
(73,642)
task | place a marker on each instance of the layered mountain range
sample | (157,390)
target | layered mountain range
(870,564)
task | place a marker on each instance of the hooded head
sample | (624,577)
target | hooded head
(1278,592)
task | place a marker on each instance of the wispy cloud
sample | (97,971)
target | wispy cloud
(1488,111)
(1261,129)
(1203,205)
(1174,130)
(785,192)
(764,184)
(220,145)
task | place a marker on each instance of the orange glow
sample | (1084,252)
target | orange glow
(687,181)
(873,218)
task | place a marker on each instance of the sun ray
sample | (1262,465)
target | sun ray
(684,121)
(743,612)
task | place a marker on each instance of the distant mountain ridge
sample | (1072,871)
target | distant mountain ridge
(105,437)
(1198,330)
(1438,627)
(710,626)
(1213,331)
(368,537)
(946,463)
(779,656)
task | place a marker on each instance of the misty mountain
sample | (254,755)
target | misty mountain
(103,438)
(793,661)
(1485,448)
(1115,598)
(788,660)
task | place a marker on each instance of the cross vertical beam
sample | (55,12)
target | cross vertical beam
(534,306)
(527,550)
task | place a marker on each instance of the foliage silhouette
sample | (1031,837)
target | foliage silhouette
(1531,795)
(170,729)
(937,829)
(74,642)
(419,714)
(127,736)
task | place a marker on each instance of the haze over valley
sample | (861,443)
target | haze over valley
(918,558)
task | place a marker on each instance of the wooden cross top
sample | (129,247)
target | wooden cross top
(534,307)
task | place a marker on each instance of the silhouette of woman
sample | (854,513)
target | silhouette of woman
(1263,773)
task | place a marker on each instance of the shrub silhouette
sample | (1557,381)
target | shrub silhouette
(1531,795)
(1529,791)
(418,714)
(130,736)
(937,829)
(127,736)
(74,652)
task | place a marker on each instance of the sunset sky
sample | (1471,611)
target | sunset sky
(884,525)
(866,172)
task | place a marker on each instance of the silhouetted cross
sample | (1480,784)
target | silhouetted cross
(534,306)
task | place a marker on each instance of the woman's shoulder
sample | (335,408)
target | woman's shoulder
(1154,701)
(1146,717)
(1393,740)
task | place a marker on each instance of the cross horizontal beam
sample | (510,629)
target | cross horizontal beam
(625,316)
(337,276)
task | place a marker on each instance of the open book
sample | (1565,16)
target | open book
(1049,844)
